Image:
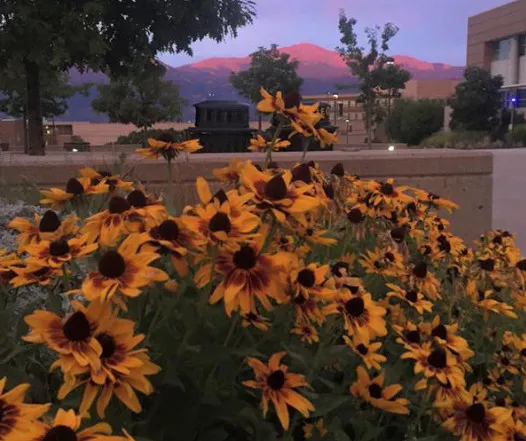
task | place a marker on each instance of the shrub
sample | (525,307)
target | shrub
(519,135)
(141,137)
(412,121)
(459,140)
(293,303)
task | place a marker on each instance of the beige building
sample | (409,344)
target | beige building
(497,42)
(347,114)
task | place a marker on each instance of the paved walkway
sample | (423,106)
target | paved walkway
(509,192)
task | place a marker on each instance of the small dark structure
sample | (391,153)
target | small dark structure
(296,141)
(222,126)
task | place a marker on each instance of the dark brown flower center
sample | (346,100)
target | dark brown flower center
(245,258)
(411,207)
(398,234)
(59,248)
(438,358)
(112,265)
(338,170)
(487,264)
(77,327)
(302,173)
(220,196)
(108,345)
(307,278)
(355,307)
(521,264)
(387,189)
(329,190)
(420,270)
(355,216)
(49,223)
(440,331)
(220,222)
(168,230)
(390,256)
(523,352)
(411,296)
(413,336)
(41,272)
(362,349)
(517,436)
(137,199)
(118,205)
(476,412)
(337,268)
(276,188)
(60,433)
(292,99)
(74,187)
(505,361)
(276,380)
(375,391)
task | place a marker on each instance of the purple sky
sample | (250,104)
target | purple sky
(431,30)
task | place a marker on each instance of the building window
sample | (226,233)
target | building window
(340,109)
(522,45)
(501,49)
(352,103)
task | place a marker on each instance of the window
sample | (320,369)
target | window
(522,45)
(340,109)
(501,49)
(351,103)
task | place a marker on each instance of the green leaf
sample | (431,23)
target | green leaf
(340,435)
(325,404)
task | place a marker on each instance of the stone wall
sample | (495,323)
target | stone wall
(462,176)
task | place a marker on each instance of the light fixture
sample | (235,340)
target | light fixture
(74,150)
(347,120)
(336,96)
(391,148)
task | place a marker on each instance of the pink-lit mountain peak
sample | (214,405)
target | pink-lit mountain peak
(309,54)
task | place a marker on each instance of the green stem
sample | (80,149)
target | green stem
(170,202)
(268,157)
(306,145)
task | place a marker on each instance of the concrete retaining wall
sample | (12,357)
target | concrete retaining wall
(462,176)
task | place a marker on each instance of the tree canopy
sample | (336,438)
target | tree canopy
(270,69)
(477,101)
(105,35)
(373,68)
(141,98)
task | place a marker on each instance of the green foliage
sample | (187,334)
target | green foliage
(477,101)
(141,98)
(141,137)
(378,76)
(519,135)
(412,121)
(460,139)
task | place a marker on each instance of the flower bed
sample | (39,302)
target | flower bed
(291,304)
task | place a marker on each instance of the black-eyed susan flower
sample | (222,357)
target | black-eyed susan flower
(270,103)
(306,331)
(363,317)
(123,272)
(447,336)
(169,149)
(111,181)
(75,189)
(435,362)
(486,300)
(32,274)
(66,427)
(148,209)
(367,352)
(411,335)
(18,419)
(318,426)
(422,279)
(475,421)
(256,320)
(72,335)
(434,200)
(232,172)
(515,430)
(278,386)
(46,227)
(312,280)
(276,193)
(247,276)
(385,262)
(372,391)
(412,298)
(58,252)
(7,262)
(108,226)
(260,144)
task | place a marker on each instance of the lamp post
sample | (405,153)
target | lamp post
(347,131)
(335,96)
(513,102)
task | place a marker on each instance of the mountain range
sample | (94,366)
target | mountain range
(321,69)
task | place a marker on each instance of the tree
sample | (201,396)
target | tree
(477,101)
(392,80)
(55,92)
(369,66)
(141,98)
(105,35)
(271,69)
(412,121)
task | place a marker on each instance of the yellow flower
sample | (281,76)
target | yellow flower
(306,331)
(308,429)
(277,385)
(55,254)
(271,104)
(260,144)
(367,352)
(412,298)
(372,391)
(34,273)
(74,191)
(168,149)
(111,182)
(231,173)
(18,419)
